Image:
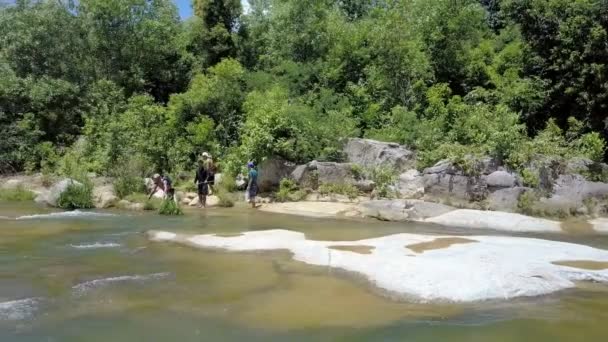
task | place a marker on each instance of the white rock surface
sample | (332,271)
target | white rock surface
(600,224)
(493,267)
(479,219)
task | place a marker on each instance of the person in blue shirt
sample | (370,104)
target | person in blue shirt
(252,185)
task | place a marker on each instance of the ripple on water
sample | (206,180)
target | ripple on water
(18,309)
(96,245)
(96,283)
(65,214)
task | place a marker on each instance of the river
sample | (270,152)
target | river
(96,277)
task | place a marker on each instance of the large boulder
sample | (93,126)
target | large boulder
(570,192)
(445,179)
(501,179)
(104,196)
(315,173)
(271,171)
(52,196)
(506,199)
(410,184)
(372,153)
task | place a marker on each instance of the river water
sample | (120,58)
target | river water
(97,278)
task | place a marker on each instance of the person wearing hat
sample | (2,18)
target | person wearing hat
(201,180)
(164,183)
(252,185)
(210,167)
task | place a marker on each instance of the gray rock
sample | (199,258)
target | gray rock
(506,199)
(271,171)
(52,196)
(372,153)
(365,185)
(403,210)
(570,193)
(104,196)
(315,173)
(501,179)
(411,184)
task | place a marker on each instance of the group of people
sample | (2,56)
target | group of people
(204,179)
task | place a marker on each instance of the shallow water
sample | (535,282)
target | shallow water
(97,278)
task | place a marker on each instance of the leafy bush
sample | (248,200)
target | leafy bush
(357,171)
(76,197)
(289,191)
(17,194)
(169,207)
(126,185)
(530,178)
(384,177)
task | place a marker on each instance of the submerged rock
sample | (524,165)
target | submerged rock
(433,268)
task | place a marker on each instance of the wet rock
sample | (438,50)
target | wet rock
(372,153)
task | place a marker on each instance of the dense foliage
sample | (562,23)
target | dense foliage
(125,88)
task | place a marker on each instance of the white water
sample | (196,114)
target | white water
(92,284)
(65,214)
(97,245)
(18,309)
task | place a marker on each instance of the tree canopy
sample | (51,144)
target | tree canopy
(110,81)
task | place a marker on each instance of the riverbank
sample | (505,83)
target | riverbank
(337,206)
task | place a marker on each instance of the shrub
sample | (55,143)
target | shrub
(17,194)
(530,177)
(76,197)
(525,203)
(127,185)
(357,171)
(289,191)
(150,205)
(225,198)
(286,187)
(384,177)
(170,207)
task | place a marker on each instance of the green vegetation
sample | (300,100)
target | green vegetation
(383,178)
(130,90)
(169,207)
(76,196)
(289,191)
(526,202)
(226,198)
(19,193)
(345,189)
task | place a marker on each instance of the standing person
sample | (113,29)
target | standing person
(210,167)
(164,183)
(252,185)
(200,179)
